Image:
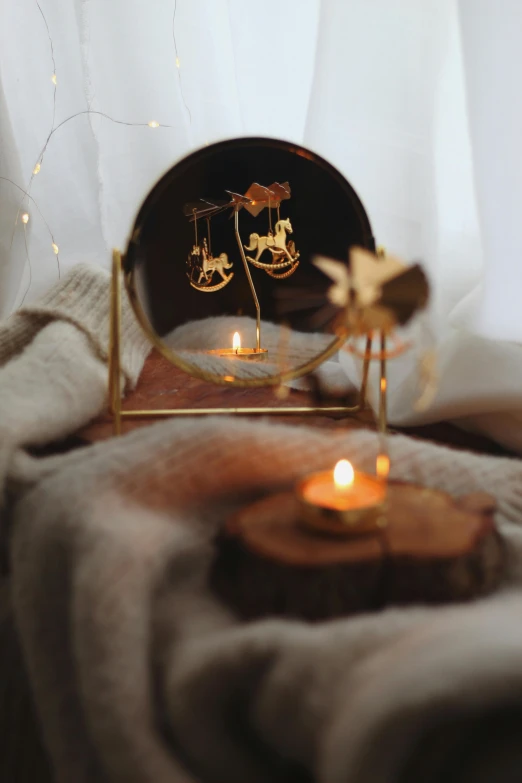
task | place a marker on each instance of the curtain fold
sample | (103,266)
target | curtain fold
(490,34)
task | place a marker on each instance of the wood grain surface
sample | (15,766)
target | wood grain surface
(433,549)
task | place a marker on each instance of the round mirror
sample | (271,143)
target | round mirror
(219,266)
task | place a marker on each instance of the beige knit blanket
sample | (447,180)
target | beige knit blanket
(139,674)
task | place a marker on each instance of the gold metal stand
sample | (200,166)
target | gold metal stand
(115,396)
(114,343)
(250,281)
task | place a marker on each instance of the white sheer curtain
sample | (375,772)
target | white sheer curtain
(376,86)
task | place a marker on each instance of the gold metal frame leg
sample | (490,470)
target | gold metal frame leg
(383,417)
(383,459)
(365,373)
(250,281)
(115,343)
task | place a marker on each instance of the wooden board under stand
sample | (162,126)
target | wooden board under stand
(433,549)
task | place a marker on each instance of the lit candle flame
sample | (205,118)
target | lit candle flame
(236,342)
(343,475)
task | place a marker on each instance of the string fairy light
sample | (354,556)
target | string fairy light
(38,166)
(26,193)
(178,61)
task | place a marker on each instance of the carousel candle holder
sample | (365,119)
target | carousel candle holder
(183,246)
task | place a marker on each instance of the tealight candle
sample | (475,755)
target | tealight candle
(342,501)
(237,352)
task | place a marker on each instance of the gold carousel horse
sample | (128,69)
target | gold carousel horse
(283,254)
(206,264)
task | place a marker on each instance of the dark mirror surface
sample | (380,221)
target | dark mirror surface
(187,271)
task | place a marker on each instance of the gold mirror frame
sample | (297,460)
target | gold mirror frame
(123,267)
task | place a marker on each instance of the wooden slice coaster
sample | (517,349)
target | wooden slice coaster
(432,548)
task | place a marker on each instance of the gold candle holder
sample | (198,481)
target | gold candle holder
(342,502)
(253,354)
(237,352)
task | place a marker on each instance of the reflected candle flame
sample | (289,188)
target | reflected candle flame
(343,475)
(236,342)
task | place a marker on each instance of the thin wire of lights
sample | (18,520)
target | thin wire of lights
(26,193)
(53,77)
(178,63)
(37,166)
(25,220)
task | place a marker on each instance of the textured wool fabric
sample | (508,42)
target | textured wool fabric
(82,299)
(53,371)
(139,672)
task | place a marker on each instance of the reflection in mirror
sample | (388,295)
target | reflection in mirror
(224,245)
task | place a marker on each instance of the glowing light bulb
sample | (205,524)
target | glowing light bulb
(25,218)
(53,78)
(177,62)
(153,124)
(55,248)
(343,475)
(236,342)
(36,169)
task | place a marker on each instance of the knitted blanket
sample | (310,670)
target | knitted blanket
(140,674)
